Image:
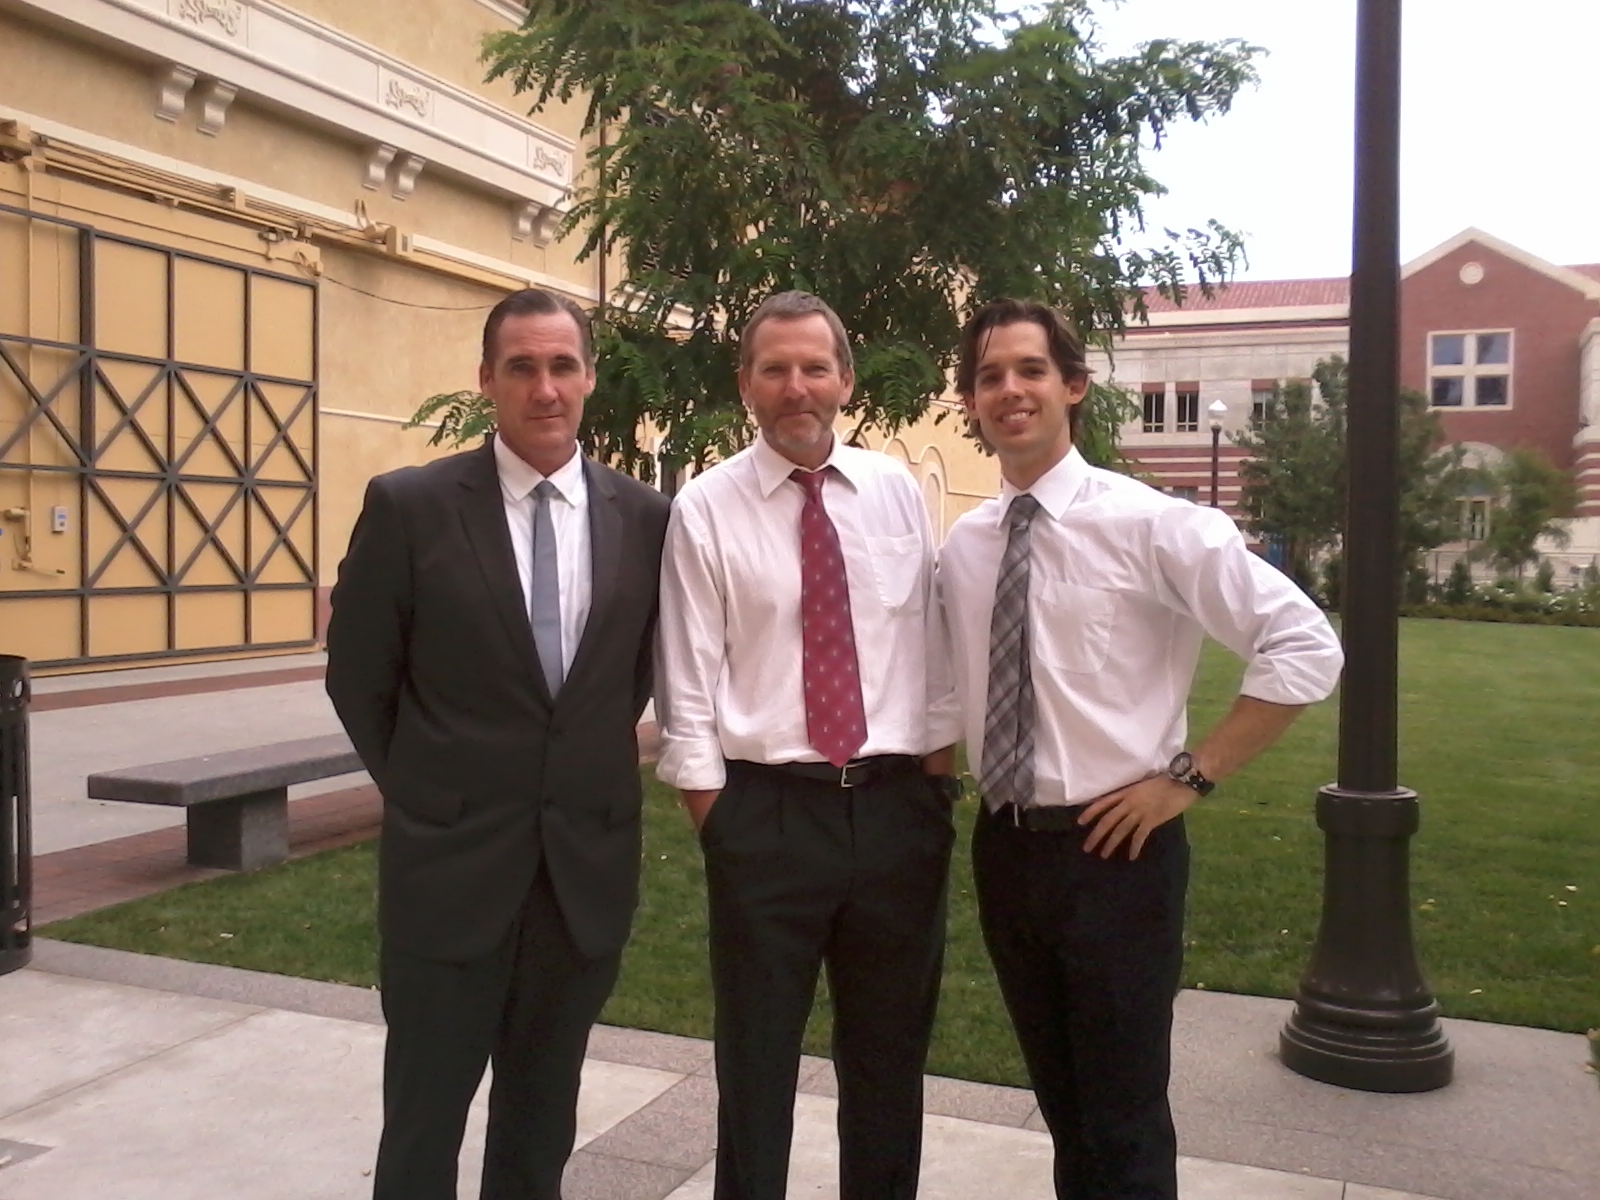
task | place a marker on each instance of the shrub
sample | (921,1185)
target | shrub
(1458,588)
(1545,579)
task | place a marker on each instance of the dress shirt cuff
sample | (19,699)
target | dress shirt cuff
(945,726)
(1304,679)
(691,764)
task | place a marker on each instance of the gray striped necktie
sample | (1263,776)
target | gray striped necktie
(545,588)
(1006,775)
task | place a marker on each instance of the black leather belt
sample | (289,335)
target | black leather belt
(858,772)
(1046,818)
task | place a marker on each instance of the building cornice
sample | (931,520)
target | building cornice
(1286,315)
(248,199)
(407,120)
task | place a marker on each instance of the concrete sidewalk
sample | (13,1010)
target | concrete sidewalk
(149,1079)
(132,1077)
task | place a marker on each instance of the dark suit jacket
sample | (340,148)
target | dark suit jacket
(433,670)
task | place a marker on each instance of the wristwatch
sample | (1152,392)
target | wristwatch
(1182,769)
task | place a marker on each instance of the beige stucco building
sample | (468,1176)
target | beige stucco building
(239,242)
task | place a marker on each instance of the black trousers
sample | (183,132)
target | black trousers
(527,1008)
(803,874)
(1088,952)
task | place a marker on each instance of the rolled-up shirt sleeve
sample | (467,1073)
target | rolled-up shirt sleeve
(690,641)
(1291,652)
(945,727)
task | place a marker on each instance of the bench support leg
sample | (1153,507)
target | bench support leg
(242,833)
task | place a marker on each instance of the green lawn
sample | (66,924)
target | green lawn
(1500,735)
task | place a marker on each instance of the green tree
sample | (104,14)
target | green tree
(905,159)
(1294,478)
(1531,496)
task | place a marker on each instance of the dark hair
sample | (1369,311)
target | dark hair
(792,306)
(1066,347)
(536,302)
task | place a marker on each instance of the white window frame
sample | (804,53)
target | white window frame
(1179,424)
(1477,516)
(1471,371)
(1160,424)
(1261,404)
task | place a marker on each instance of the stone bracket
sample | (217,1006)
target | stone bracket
(214,101)
(537,222)
(172,91)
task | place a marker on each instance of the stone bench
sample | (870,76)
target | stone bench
(238,802)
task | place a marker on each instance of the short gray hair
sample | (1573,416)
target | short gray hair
(794,306)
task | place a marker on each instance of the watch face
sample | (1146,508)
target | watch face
(1181,765)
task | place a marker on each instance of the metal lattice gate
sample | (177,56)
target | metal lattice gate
(158,449)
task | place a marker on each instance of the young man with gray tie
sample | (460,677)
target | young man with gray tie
(1077,602)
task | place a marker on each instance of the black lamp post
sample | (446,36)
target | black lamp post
(1216,410)
(1364,1016)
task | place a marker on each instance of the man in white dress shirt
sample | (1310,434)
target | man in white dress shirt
(807,718)
(1077,602)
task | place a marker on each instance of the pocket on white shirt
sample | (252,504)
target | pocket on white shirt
(897,567)
(1072,626)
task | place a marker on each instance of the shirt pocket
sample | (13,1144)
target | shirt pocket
(1072,625)
(897,564)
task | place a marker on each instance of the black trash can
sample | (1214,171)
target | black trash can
(16,818)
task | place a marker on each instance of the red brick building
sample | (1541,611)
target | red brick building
(1506,346)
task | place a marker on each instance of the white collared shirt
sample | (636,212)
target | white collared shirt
(728,671)
(569,514)
(1124,584)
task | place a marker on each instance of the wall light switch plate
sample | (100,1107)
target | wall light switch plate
(58,519)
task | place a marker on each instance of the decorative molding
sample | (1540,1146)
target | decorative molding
(333,81)
(228,15)
(401,93)
(536,221)
(377,166)
(172,91)
(214,101)
(405,175)
(290,202)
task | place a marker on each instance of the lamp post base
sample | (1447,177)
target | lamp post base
(1409,1054)
(1364,1016)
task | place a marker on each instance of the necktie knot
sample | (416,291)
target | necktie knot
(545,490)
(1022,511)
(810,481)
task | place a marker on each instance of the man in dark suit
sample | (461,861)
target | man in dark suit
(490,654)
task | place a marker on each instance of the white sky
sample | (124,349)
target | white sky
(1500,127)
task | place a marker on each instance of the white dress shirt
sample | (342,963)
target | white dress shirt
(1124,584)
(728,670)
(569,514)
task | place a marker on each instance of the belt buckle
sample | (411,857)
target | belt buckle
(844,776)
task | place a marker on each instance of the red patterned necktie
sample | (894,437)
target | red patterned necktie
(836,720)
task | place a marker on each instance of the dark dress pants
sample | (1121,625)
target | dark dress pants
(803,874)
(527,1008)
(1088,952)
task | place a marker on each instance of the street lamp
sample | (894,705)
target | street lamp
(1217,410)
(1364,1016)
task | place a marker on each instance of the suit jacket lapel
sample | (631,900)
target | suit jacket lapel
(483,515)
(605,551)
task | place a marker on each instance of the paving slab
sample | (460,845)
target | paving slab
(266,1104)
(57,1033)
(1235,1101)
